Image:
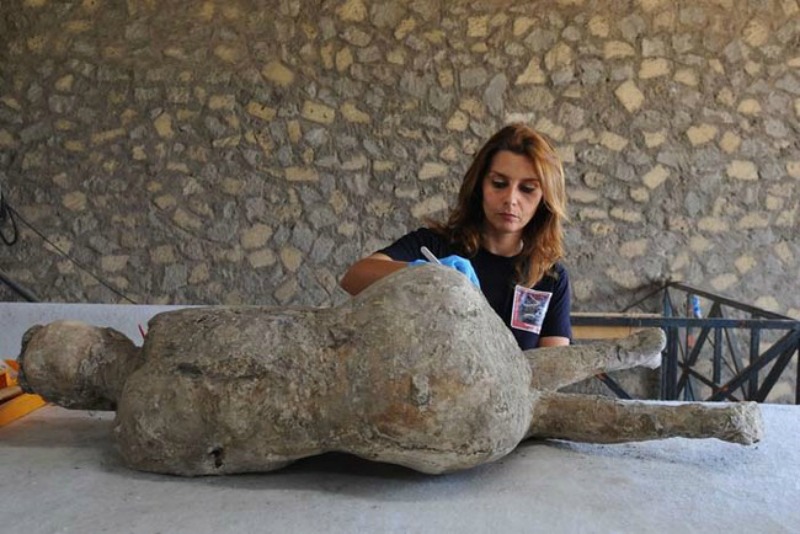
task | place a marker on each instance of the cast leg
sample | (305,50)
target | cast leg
(598,419)
(555,367)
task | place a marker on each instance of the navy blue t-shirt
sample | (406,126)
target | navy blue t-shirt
(496,274)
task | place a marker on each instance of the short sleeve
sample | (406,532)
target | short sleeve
(557,321)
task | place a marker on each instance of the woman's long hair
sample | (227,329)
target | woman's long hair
(542,236)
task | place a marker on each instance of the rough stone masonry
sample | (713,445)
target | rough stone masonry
(246,152)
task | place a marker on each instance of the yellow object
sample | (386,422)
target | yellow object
(8,373)
(13,403)
(9,393)
(15,408)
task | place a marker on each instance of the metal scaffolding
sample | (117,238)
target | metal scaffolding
(732,351)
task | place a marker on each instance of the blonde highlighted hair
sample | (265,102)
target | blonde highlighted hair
(542,236)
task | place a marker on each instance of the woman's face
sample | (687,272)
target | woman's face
(512,191)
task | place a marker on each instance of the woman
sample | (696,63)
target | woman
(504,234)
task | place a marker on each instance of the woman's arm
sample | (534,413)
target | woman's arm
(367,271)
(558,330)
(553,341)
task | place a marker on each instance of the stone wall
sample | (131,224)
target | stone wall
(249,151)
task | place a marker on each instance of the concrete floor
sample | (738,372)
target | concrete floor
(59,473)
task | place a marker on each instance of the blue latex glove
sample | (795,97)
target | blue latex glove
(458,263)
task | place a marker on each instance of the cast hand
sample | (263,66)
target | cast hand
(458,263)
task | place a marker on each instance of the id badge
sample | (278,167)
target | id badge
(529,309)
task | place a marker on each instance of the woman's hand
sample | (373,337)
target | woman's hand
(458,263)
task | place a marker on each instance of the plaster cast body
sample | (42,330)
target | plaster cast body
(417,370)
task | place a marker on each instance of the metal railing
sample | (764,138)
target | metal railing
(733,351)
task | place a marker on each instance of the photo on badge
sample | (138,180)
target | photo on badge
(529,309)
